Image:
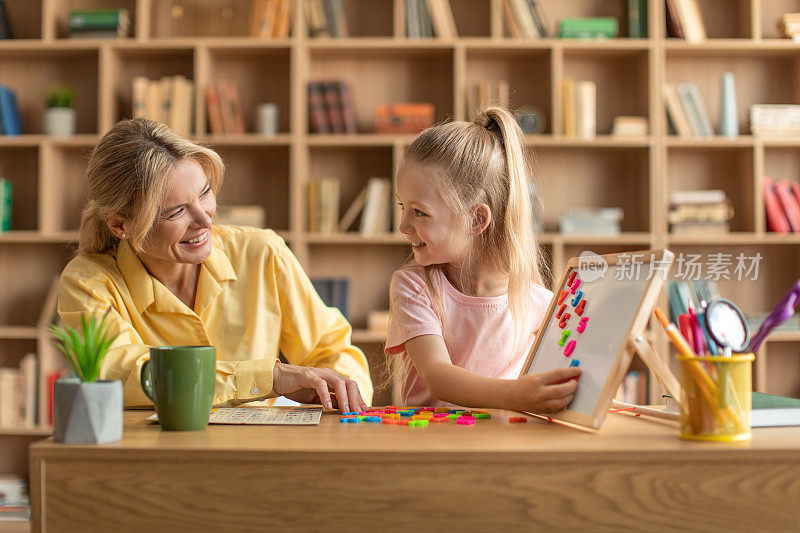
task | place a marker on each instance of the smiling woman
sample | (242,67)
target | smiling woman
(151,255)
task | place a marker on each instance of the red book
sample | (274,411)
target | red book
(51,383)
(333,106)
(347,106)
(795,190)
(316,109)
(789,203)
(776,218)
(215,124)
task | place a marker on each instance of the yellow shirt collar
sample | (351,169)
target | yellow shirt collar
(145,289)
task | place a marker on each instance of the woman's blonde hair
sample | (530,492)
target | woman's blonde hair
(484,161)
(128,173)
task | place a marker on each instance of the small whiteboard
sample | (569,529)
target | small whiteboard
(603,302)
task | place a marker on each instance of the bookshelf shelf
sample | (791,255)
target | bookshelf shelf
(210,42)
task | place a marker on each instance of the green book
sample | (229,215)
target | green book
(637,19)
(5,204)
(770,411)
(588,28)
(96,19)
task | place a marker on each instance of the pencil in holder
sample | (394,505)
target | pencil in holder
(716,395)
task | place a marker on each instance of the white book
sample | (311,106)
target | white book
(375,211)
(586,109)
(692,113)
(705,120)
(522,14)
(691,20)
(714,196)
(8,397)
(27,369)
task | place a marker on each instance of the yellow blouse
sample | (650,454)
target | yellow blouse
(253,300)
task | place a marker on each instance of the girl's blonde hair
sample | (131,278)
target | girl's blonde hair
(484,161)
(128,173)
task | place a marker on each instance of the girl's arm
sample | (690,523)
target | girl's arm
(546,392)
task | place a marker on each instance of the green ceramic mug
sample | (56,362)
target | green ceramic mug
(179,380)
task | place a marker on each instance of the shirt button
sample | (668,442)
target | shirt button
(254,390)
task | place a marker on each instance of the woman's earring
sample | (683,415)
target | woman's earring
(124,235)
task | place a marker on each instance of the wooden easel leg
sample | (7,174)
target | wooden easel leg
(660,370)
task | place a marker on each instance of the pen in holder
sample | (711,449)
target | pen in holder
(716,397)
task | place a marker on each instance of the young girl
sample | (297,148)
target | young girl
(466,310)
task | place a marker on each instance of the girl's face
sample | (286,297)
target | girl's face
(181,232)
(437,235)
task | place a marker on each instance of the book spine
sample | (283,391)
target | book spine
(95,20)
(316,108)
(347,106)
(785,196)
(6,201)
(776,218)
(215,123)
(9,112)
(333,106)
(674,27)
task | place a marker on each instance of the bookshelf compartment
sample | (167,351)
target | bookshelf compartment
(369,271)
(352,166)
(606,68)
(153,63)
(200,18)
(20,165)
(782,163)
(473,17)
(261,75)
(771,11)
(514,66)
(380,22)
(755,74)
(62,10)
(728,169)
(724,19)
(388,76)
(25,18)
(21,302)
(30,74)
(67,189)
(783,369)
(594,177)
(12,350)
(14,459)
(257,175)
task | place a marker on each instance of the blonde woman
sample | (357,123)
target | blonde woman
(149,251)
(465,312)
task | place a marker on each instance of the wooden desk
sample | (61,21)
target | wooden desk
(494,476)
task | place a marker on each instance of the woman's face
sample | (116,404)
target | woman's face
(181,231)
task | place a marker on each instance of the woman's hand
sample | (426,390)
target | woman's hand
(310,384)
(546,392)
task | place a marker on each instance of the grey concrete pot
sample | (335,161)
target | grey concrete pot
(87,412)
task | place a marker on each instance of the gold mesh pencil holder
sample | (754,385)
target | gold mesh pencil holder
(716,397)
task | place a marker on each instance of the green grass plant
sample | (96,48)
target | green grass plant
(86,350)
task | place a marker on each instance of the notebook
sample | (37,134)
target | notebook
(771,411)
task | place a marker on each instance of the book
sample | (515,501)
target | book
(568,107)
(539,18)
(29,385)
(336,19)
(353,211)
(333,106)
(315,18)
(695,109)
(403,118)
(520,13)
(318,115)
(9,392)
(215,123)
(637,19)
(586,109)
(629,126)
(97,19)
(9,112)
(769,410)
(442,16)
(676,112)
(283,20)
(776,217)
(5,23)
(241,215)
(691,21)
(323,206)
(674,27)
(6,202)
(377,207)
(588,28)
(709,196)
(334,292)
(783,190)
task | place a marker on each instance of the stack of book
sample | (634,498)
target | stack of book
(429,18)
(771,120)
(487,93)
(10,123)
(99,23)
(782,205)
(588,28)
(168,100)
(6,201)
(579,102)
(374,204)
(323,206)
(326,18)
(525,19)
(225,115)
(403,118)
(684,20)
(790,25)
(699,212)
(333,292)
(14,502)
(270,18)
(330,107)
(19,390)
(591,220)
(625,126)
(241,215)
(686,111)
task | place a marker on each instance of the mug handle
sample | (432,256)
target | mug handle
(146,381)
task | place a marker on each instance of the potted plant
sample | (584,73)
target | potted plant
(59,117)
(86,410)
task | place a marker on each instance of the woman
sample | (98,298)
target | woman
(149,252)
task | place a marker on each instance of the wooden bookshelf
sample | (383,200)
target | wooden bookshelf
(208,42)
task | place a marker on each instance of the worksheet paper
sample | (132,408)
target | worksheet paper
(263,416)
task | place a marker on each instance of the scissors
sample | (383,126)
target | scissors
(726,325)
(780,314)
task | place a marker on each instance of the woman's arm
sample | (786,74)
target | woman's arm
(542,393)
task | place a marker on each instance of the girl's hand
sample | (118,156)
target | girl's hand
(546,392)
(310,384)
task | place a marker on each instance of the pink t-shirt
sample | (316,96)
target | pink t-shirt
(478,331)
